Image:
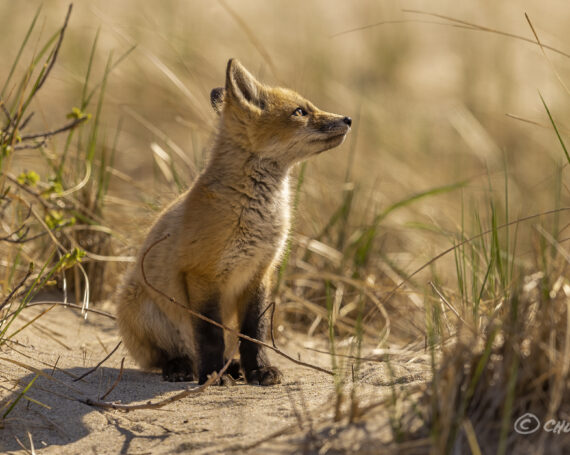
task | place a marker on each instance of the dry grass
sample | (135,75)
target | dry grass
(451,144)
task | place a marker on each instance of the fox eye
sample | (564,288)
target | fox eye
(299,112)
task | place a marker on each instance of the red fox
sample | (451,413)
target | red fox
(226,233)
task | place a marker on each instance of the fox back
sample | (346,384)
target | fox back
(224,235)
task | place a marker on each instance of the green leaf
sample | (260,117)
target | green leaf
(71,258)
(56,219)
(30,178)
(78,114)
(55,187)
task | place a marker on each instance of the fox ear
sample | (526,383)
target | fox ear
(242,86)
(217,96)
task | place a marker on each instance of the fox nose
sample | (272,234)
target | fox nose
(347,120)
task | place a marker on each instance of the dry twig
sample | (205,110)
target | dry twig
(62,129)
(159,404)
(70,305)
(18,286)
(87,373)
(120,375)
(56,50)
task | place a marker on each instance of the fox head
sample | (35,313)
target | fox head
(273,122)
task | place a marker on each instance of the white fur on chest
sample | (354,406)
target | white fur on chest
(258,240)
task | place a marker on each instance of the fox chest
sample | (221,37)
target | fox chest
(258,238)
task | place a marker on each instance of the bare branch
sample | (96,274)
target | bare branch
(25,121)
(18,233)
(120,375)
(56,50)
(159,404)
(18,286)
(272,316)
(22,232)
(28,190)
(87,373)
(7,114)
(66,127)
(37,145)
(70,305)
(24,239)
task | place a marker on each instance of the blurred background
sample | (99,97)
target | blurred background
(441,109)
(401,252)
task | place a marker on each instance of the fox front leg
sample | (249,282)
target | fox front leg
(177,369)
(254,362)
(209,341)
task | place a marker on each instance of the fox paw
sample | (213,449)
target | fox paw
(226,380)
(232,374)
(178,370)
(264,376)
(234,369)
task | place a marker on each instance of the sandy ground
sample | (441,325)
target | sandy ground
(220,420)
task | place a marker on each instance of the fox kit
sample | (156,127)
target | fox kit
(225,235)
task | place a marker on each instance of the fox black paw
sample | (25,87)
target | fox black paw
(178,370)
(234,369)
(264,376)
(232,374)
(226,380)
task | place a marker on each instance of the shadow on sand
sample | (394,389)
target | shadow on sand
(53,413)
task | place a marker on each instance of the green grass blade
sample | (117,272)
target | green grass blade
(19,55)
(36,60)
(111,68)
(88,73)
(365,240)
(416,197)
(105,176)
(97,117)
(83,105)
(25,300)
(20,396)
(555,128)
